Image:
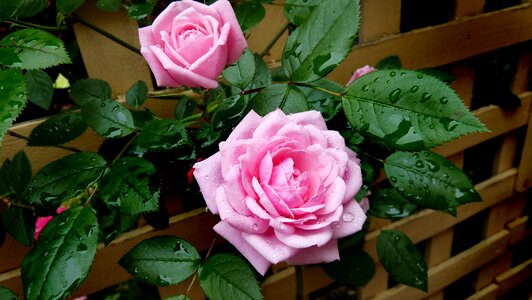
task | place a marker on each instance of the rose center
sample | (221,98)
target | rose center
(290,183)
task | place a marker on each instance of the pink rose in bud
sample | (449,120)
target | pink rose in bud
(42,221)
(360,72)
(190,43)
(284,188)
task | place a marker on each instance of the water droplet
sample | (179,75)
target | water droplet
(394,95)
(393,179)
(414,89)
(419,76)
(431,126)
(396,238)
(365,88)
(425,97)
(419,164)
(255,226)
(115,108)
(377,79)
(102,104)
(433,166)
(444,100)
(411,181)
(392,73)
(348,217)
(163,280)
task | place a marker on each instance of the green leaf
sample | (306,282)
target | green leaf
(36,49)
(325,103)
(184,108)
(401,259)
(163,135)
(298,11)
(441,75)
(15,175)
(108,118)
(29,8)
(89,90)
(113,223)
(7,294)
(13,98)
(137,94)
(40,88)
(242,72)
(262,75)
(225,276)
(20,223)
(138,11)
(142,117)
(249,14)
(8,57)
(317,46)
(109,5)
(68,6)
(126,186)
(390,62)
(389,204)
(65,178)
(229,112)
(430,180)
(58,130)
(407,110)
(288,98)
(60,261)
(7,9)
(355,268)
(162,260)
(179,297)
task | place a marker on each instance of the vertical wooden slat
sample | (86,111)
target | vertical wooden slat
(261,36)
(465,8)
(438,250)
(105,59)
(378,284)
(524,176)
(522,73)
(379,18)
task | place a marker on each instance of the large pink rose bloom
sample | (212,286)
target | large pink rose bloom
(284,188)
(190,43)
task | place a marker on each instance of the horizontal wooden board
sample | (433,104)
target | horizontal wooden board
(444,44)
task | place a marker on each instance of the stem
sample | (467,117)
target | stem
(196,273)
(114,38)
(8,202)
(125,147)
(299,283)
(274,40)
(319,88)
(251,91)
(19,136)
(36,26)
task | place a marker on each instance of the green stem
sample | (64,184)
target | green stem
(274,40)
(319,88)
(36,26)
(299,283)
(113,38)
(125,147)
(19,136)
(16,204)
(196,273)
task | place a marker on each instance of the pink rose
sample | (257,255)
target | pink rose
(360,72)
(41,222)
(284,188)
(190,43)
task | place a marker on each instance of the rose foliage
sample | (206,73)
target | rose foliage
(290,164)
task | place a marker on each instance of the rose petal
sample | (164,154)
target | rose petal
(265,169)
(246,127)
(295,132)
(162,76)
(310,117)
(164,20)
(236,42)
(241,222)
(181,74)
(271,123)
(209,177)
(353,180)
(323,221)
(304,239)
(269,246)
(234,237)
(315,255)
(351,221)
(333,196)
(212,62)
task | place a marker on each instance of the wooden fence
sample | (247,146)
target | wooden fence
(487,264)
